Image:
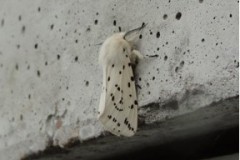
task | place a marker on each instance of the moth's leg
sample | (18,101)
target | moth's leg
(135,55)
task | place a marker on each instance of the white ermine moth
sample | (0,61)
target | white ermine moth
(118,103)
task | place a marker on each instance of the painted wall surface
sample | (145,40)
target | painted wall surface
(50,80)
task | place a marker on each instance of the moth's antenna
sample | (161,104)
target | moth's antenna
(135,30)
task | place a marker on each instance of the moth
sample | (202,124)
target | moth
(118,108)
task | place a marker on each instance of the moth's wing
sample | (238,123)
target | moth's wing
(118,103)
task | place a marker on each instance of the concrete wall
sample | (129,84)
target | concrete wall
(50,80)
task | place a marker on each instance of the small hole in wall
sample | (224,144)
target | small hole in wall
(148,84)
(165,58)
(21,117)
(76,58)
(178,15)
(158,34)
(36,46)
(16,66)
(2,22)
(203,40)
(140,36)
(165,16)
(153,78)
(182,64)
(76,41)
(23,29)
(19,17)
(176,69)
(149,92)
(114,23)
(52,26)
(58,56)
(96,22)
(86,83)
(39,9)
(38,73)
(139,78)
(230,15)
(200,1)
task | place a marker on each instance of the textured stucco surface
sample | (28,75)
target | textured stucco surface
(50,80)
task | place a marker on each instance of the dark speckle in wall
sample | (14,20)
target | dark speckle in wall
(96,22)
(19,17)
(18,46)
(120,29)
(76,41)
(176,69)
(2,22)
(58,56)
(114,23)
(178,15)
(39,9)
(88,29)
(36,46)
(52,26)
(16,67)
(203,40)
(38,73)
(165,16)
(140,36)
(86,83)
(46,63)
(158,34)
(29,96)
(76,59)
(23,29)
(200,1)
(230,15)
(21,117)
(182,63)
(165,58)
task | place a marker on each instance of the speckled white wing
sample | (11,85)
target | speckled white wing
(118,103)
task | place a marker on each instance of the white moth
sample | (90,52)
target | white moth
(118,103)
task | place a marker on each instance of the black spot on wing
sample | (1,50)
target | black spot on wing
(120,72)
(108,78)
(112,65)
(135,102)
(132,78)
(109,116)
(129,85)
(123,67)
